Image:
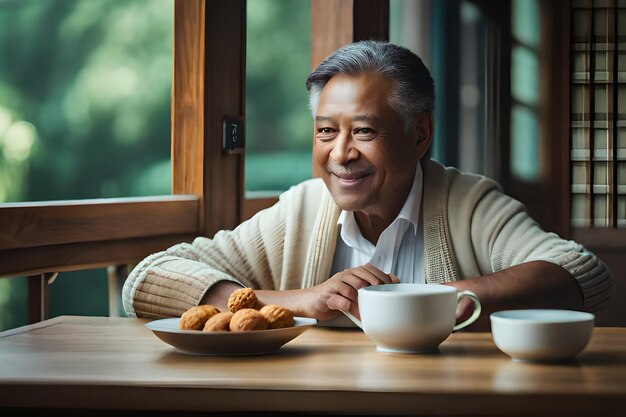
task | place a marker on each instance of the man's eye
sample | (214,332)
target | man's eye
(325,133)
(364,133)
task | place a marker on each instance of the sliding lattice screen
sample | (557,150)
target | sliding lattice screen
(598,113)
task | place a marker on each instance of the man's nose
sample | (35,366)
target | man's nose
(343,150)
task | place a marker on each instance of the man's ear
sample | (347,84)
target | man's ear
(424,128)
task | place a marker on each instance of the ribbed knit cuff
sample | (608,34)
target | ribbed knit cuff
(593,277)
(169,286)
(591,274)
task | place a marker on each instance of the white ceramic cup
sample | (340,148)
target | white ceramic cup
(536,335)
(411,318)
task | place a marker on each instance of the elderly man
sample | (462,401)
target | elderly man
(381,213)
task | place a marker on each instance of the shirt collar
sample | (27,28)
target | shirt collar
(410,210)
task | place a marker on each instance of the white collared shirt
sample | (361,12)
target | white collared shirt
(400,247)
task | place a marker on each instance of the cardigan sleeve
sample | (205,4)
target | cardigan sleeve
(509,236)
(168,283)
(270,251)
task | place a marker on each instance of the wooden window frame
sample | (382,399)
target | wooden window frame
(553,187)
(48,237)
(79,234)
(40,239)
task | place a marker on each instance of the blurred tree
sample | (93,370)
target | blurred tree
(85,91)
(279,126)
(84,113)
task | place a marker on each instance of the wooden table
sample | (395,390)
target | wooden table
(68,365)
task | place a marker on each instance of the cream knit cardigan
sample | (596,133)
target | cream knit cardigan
(470,228)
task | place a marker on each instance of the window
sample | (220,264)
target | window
(450,37)
(598,118)
(279,125)
(38,239)
(524,150)
(101,80)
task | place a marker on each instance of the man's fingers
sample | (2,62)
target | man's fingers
(464,310)
(348,287)
(394,279)
(337,302)
(372,275)
(354,310)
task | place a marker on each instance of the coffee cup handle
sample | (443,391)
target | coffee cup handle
(475,314)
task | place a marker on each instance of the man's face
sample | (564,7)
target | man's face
(361,149)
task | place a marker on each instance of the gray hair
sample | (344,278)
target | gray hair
(414,90)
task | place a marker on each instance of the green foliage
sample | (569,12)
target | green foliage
(84,113)
(279,126)
(89,82)
(13,302)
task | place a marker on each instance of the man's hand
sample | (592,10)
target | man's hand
(323,302)
(536,284)
(464,310)
(340,292)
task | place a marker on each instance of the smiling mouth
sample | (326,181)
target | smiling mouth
(350,175)
(352,179)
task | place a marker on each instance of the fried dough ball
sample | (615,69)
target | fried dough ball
(277,316)
(248,319)
(243,298)
(196,317)
(219,322)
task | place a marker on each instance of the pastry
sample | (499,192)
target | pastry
(243,298)
(248,319)
(277,316)
(196,317)
(219,322)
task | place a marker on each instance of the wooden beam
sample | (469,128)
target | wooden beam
(554,126)
(224,95)
(116,276)
(188,91)
(331,27)
(335,23)
(370,20)
(251,206)
(600,238)
(27,225)
(86,255)
(39,297)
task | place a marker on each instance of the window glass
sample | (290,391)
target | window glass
(416,25)
(473,90)
(524,151)
(524,133)
(84,113)
(13,303)
(525,75)
(450,39)
(85,98)
(279,126)
(525,22)
(82,293)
